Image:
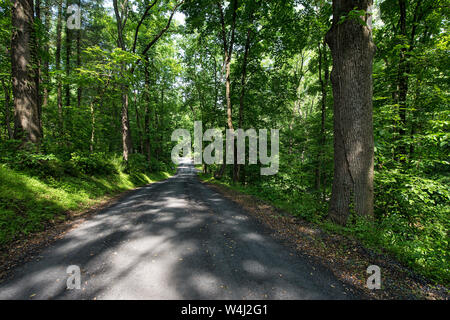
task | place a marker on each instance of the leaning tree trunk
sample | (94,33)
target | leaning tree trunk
(352,50)
(23,73)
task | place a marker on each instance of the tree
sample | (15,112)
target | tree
(26,110)
(352,49)
(58,67)
(122,15)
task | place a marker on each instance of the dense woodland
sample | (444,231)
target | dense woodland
(359,91)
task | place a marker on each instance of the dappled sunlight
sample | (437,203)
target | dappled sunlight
(175,239)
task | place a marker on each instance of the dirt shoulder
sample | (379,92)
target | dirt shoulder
(345,257)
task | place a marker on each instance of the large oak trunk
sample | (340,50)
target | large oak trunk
(352,50)
(24,86)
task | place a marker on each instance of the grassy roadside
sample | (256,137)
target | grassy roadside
(31,204)
(347,256)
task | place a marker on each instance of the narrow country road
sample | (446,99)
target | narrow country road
(175,239)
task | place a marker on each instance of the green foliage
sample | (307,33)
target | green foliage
(180,80)
(354,15)
(414,219)
(30,202)
(93,164)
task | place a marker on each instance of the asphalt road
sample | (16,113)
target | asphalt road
(175,239)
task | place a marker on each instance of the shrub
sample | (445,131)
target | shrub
(138,163)
(92,164)
(156,166)
(413,215)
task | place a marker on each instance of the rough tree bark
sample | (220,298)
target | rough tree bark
(352,49)
(25,94)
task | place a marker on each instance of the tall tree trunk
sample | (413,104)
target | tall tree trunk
(37,61)
(46,62)
(68,47)
(24,73)
(79,89)
(126,134)
(228,52)
(237,168)
(58,68)
(403,70)
(352,49)
(160,122)
(91,145)
(323,64)
(156,129)
(298,76)
(138,125)
(127,144)
(147,149)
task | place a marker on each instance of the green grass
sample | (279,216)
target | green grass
(29,203)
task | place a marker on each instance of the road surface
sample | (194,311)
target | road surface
(175,239)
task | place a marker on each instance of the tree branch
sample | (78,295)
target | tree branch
(147,10)
(151,43)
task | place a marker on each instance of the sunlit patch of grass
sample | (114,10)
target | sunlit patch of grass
(28,204)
